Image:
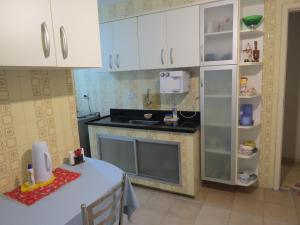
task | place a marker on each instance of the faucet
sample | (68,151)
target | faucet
(148,97)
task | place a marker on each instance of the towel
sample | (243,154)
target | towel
(131,202)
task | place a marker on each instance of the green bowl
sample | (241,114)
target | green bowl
(251,21)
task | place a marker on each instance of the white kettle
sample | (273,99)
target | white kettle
(41,162)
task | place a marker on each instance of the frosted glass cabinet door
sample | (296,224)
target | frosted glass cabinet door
(219,29)
(218,116)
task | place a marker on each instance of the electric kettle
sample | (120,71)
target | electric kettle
(41,162)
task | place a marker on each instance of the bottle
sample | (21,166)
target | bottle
(71,158)
(174,112)
(256,53)
(31,175)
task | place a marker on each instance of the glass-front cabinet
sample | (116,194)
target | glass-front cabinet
(219,29)
(219,123)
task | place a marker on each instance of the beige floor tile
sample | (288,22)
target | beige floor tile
(238,218)
(210,215)
(160,202)
(219,199)
(298,214)
(146,217)
(284,198)
(201,195)
(253,193)
(171,219)
(248,206)
(296,197)
(185,209)
(143,194)
(279,214)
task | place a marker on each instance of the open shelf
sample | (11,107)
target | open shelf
(249,127)
(251,33)
(219,33)
(250,96)
(241,156)
(242,64)
(250,183)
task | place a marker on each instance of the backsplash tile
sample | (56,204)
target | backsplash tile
(35,105)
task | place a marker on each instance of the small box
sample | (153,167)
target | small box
(174,82)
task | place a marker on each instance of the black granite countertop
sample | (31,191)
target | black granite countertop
(129,118)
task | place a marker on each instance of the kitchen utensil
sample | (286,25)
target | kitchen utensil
(41,162)
(252,21)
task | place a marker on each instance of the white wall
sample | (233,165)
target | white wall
(291,136)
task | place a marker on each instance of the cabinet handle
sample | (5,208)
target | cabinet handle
(110,62)
(201,53)
(201,83)
(118,61)
(45,39)
(162,56)
(171,56)
(64,42)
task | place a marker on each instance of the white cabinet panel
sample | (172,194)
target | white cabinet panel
(21,36)
(106,32)
(183,37)
(125,45)
(76,32)
(152,41)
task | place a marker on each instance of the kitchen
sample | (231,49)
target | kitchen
(41,103)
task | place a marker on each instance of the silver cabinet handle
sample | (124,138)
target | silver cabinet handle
(201,53)
(45,39)
(201,83)
(171,56)
(118,61)
(110,61)
(162,56)
(64,42)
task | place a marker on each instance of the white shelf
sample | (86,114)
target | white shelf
(250,96)
(244,64)
(250,183)
(220,33)
(251,33)
(241,156)
(218,96)
(249,127)
(217,151)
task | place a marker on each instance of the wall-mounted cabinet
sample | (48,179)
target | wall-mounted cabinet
(49,33)
(120,45)
(169,39)
(218,41)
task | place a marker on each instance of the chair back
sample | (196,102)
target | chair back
(106,210)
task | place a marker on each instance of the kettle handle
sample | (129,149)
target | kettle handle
(48,161)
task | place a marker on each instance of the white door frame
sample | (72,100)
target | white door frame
(287,8)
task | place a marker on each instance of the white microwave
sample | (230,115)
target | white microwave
(174,82)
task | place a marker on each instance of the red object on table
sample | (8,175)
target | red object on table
(62,177)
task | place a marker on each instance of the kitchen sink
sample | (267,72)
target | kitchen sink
(144,122)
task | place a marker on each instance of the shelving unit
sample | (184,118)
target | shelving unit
(218,33)
(253,71)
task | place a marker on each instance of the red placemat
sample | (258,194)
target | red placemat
(62,177)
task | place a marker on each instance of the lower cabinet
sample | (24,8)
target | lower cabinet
(159,160)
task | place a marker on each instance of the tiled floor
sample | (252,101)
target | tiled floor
(292,175)
(217,206)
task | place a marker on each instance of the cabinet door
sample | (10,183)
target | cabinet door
(219,29)
(76,32)
(125,44)
(26,35)
(183,37)
(218,116)
(152,41)
(106,33)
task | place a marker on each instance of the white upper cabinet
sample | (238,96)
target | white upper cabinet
(170,39)
(76,32)
(183,32)
(219,33)
(152,41)
(125,45)
(49,33)
(106,32)
(26,35)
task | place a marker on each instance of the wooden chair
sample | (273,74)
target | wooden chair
(107,209)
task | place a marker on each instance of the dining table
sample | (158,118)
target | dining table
(62,207)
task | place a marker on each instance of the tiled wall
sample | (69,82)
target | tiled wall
(34,105)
